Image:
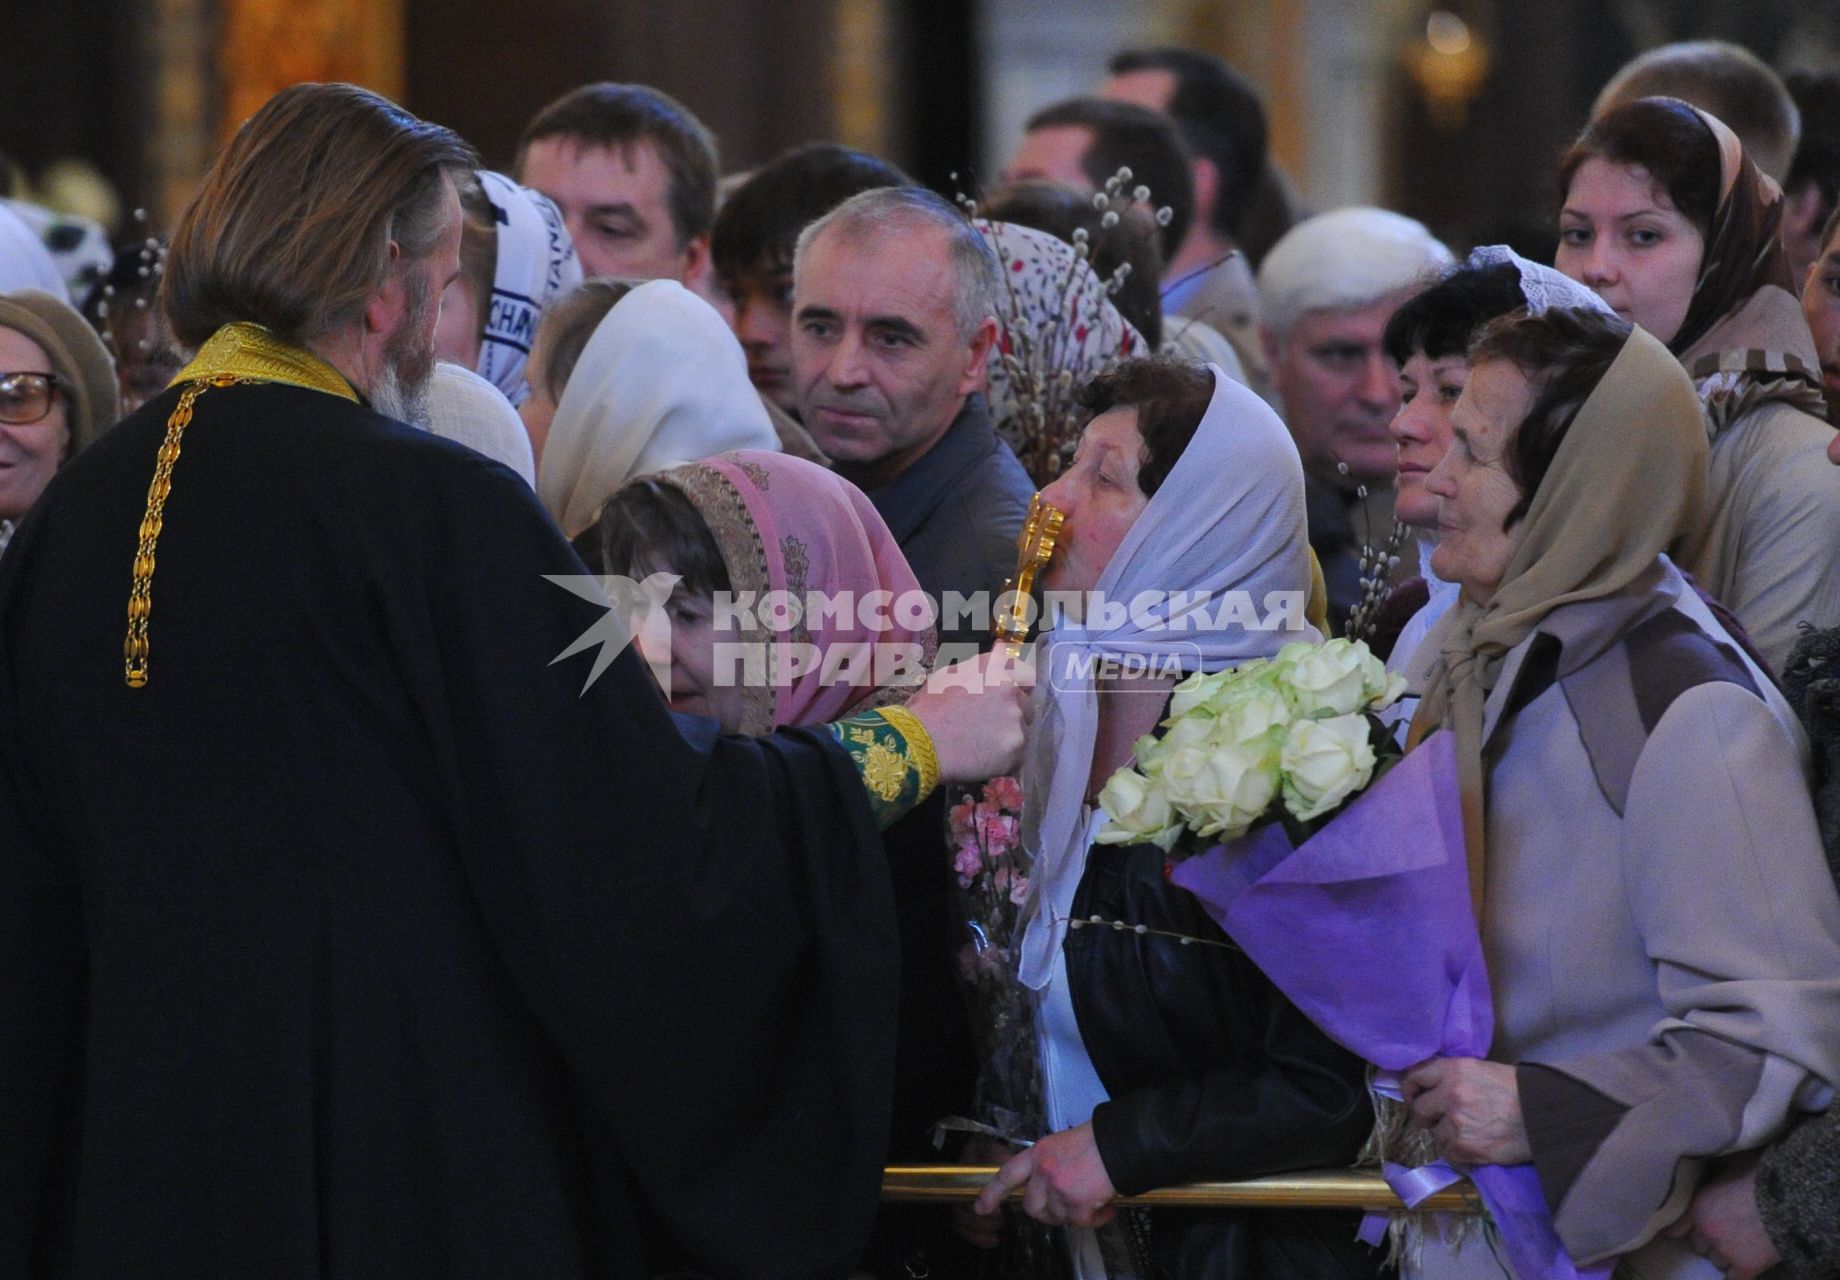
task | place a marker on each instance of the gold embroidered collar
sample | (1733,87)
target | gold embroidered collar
(249,352)
(236,353)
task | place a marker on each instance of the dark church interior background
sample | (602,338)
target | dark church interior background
(1450,110)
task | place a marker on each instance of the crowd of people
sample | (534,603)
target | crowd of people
(520,840)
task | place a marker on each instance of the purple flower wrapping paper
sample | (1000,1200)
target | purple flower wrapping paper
(1367,928)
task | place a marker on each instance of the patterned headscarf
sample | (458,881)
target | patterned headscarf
(1744,341)
(1056,331)
(536,265)
(785,524)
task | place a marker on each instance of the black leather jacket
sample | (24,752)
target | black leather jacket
(1213,1074)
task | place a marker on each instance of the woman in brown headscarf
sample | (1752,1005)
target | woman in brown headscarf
(1665,217)
(1662,937)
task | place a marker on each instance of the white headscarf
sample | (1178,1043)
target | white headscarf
(25,263)
(536,265)
(1228,517)
(463,406)
(1544,288)
(662,382)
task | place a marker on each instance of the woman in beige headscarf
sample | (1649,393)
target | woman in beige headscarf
(1669,222)
(1662,937)
(57,394)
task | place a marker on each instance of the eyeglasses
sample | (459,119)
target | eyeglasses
(26,398)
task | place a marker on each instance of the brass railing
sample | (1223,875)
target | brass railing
(1327,1189)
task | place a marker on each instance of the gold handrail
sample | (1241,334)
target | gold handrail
(1327,1189)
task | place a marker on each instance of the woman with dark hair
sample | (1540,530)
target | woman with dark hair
(1429,338)
(746,524)
(1165,1061)
(1666,218)
(1661,933)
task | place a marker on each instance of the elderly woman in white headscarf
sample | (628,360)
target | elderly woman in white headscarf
(516,258)
(1165,1061)
(659,381)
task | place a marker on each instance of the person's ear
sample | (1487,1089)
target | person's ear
(1802,211)
(1274,347)
(697,266)
(1207,194)
(977,357)
(386,307)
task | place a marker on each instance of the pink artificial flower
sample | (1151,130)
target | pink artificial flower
(1019,889)
(962,820)
(1006,792)
(998,834)
(968,862)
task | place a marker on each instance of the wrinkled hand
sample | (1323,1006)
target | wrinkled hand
(984,1230)
(977,712)
(1067,1185)
(1723,1225)
(1472,1108)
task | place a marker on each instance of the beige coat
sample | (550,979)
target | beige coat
(1662,935)
(1772,552)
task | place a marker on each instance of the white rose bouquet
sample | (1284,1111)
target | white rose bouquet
(1291,739)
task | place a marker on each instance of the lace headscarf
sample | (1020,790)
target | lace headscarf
(1544,288)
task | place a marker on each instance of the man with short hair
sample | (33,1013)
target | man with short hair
(634,173)
(1725,79)
(1082,143)
(1327,290)
(1811,191)
(755,236)
(344,928)
(1222,122)
(894,311)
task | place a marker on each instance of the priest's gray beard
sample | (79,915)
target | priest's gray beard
(400,390)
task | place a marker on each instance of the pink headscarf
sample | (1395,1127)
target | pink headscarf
(784,524)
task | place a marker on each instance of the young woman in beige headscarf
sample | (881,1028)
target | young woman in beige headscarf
(1662,936)
(1665,217)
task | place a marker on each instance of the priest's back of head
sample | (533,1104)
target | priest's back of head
(315,200)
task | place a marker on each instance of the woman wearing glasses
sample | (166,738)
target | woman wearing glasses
(57,394)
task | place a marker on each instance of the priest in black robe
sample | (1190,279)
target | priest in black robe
(341,933)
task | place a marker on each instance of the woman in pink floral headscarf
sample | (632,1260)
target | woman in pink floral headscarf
(760,541)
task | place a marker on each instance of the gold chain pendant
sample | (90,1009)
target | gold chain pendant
(140,596)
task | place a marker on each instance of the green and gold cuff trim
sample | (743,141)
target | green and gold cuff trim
(894,756)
